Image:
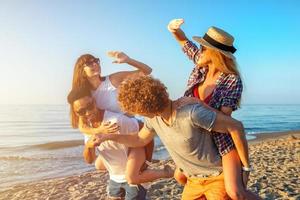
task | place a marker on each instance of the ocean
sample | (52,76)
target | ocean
(37,141)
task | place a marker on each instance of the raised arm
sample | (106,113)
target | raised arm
(141,67)
(121,57)
(174,28)
(188,47)
(135,140)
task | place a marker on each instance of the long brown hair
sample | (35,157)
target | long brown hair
(79,81)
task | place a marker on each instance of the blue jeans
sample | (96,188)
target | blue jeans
(132,192)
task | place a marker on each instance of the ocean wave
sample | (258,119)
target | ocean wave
(48,146)
(24,158)
(58,144)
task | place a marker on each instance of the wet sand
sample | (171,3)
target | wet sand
(274,156)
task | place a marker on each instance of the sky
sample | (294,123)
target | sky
(40,41)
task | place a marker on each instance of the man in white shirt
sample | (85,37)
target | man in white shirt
(113,155)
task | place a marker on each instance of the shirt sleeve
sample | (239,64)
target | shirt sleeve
(128,125)
(191,50)
(148,126)
(203,117)
(232,95)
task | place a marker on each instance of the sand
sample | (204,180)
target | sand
(274,156)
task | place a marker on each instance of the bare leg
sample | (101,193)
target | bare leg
(136,159)
(233,177)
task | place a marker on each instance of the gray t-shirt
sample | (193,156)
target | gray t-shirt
(188,140)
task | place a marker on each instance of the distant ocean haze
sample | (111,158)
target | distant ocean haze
(37,141)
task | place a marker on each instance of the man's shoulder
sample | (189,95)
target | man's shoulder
(150,120)
(191,110)
(186,109)
(153,122)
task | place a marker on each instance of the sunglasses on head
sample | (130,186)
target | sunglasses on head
(88,107)
(92,61)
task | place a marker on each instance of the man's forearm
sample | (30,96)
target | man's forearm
(127,140)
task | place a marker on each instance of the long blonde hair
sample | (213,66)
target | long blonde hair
(79,81)
(222,62)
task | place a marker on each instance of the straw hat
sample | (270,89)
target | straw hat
(219,40)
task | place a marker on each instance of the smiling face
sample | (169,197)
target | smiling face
(85,107)
(92,67)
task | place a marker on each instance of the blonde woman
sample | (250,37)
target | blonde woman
(216,81)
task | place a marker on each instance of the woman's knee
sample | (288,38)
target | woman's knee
(99,165)
(132,178)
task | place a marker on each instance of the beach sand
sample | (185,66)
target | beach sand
(274,156)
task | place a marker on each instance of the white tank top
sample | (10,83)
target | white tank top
(113,154)
(106,96)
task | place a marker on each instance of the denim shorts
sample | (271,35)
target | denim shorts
(130,192)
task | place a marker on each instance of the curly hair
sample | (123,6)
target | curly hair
(143,95)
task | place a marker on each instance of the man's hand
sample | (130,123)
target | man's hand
(175,24)
(119,56)
(245,176)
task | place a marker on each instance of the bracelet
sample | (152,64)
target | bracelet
(247,169)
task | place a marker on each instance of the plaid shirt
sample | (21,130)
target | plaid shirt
(227,93)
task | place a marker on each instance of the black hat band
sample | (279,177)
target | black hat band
(219,45)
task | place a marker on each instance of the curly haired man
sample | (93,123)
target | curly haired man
(185,132)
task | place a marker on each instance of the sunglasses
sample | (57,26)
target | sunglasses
(82,111)
(92,61)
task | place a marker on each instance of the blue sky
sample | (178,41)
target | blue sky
(41,40)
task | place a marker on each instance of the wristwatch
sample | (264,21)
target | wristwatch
(247,169)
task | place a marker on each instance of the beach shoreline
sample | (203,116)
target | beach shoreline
(275,157)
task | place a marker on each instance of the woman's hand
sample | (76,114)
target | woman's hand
(175,24)
(107,127)
(119,57)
